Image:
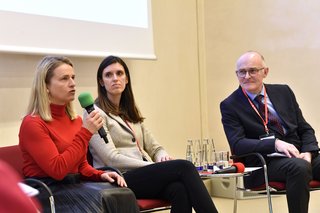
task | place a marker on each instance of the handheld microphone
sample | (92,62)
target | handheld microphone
(235,168)
(86,101)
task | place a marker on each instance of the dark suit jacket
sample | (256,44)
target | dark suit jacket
(243,126)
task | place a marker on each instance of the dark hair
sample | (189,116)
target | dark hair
(127,108)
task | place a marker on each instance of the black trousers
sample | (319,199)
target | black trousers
(177,181)
(296,173)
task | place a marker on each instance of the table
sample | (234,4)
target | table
(247,171)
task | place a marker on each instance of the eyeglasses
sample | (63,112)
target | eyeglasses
(252,72)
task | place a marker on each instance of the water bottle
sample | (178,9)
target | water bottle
(198,156)
(211,155)
(189,151)
(205,154)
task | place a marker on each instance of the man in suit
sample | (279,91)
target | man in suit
(277,126)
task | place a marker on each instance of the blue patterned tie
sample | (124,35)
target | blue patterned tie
(273,120)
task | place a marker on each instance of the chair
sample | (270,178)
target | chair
(13,156)
(145,205)
(268,187)
(153,205)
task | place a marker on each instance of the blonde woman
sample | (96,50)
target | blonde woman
(54,140)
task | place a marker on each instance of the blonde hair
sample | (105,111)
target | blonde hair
(39,103)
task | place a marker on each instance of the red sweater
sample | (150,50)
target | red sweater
(56,148)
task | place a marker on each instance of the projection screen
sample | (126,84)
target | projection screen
(77,27)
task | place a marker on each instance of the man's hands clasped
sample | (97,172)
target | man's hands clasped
(291,151)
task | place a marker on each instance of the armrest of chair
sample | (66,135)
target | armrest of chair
(262,160)
(36,182)
(255,154)
(110,168)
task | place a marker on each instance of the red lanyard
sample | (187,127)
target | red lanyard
(134,135)
(264,121)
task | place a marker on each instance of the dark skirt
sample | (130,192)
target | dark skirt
(73,195)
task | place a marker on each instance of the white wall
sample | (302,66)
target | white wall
(166,89)
(197,43)
(285,32)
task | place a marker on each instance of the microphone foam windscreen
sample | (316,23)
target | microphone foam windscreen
(85,99)
(240,167)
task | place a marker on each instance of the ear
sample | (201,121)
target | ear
(127,81)
(265,72)
(47,89)
(101,82)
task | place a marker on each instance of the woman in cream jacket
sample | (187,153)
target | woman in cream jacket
(147,168)
(131,145)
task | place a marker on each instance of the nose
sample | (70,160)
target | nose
(72,82)
(115,77)
(247,75)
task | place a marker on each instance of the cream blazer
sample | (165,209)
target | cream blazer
(122,151)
